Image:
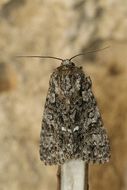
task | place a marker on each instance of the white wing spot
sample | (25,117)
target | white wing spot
(63,129)
(76,128)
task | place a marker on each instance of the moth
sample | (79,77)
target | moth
(72,126)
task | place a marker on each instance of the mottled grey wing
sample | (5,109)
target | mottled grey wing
(51,138)
(72,128)
(95,143)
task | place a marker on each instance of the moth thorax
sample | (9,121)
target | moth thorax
(67,62)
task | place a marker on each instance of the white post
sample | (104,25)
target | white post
(73,175)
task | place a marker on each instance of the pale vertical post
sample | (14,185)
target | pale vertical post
(73,175)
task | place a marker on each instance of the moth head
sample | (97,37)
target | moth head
(67,62)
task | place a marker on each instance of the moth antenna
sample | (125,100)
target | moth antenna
(39,56)
(96,50)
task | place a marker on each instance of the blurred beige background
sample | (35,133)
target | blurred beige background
(63,29)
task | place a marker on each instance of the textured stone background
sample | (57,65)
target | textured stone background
(59,28)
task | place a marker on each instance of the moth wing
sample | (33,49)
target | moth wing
(51,138)
(96,142)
